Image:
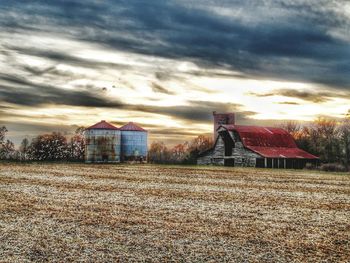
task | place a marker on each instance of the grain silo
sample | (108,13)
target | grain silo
(102,143)
(134,142)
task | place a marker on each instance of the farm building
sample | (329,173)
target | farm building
(253,146)
(134,142)
(107,143)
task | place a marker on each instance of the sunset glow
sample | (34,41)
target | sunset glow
(168,65)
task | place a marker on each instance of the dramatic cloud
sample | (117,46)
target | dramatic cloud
(23,92)
(289,103)
(260,33)
(312,96)
(169,64)
(158,88)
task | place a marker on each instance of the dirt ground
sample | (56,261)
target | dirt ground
(120,213)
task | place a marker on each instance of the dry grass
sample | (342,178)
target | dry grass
(96,213)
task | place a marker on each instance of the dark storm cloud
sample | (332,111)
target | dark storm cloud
(289,40)
(288,103)
(160,89)
(316,97)
(60,57)
(196,111)
(20,91)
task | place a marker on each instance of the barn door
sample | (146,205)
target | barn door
(228,150)
(229,162)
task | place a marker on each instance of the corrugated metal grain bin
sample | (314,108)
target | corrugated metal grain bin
(102,143)
(134,142)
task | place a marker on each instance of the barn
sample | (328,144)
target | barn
(254,146)
(107,143)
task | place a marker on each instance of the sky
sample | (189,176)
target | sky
(168,64)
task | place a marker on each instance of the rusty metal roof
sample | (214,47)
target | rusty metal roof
(281,152)
(131,127)
(102,125)
(269,142)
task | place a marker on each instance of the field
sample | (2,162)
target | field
(119,213)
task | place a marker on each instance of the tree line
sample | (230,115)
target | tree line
(57,147)
(183,153)
(44,147)
(326,138)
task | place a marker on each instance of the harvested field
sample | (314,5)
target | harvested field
(104,213)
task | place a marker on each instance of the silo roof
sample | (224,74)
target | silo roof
(131,127)
(102,125)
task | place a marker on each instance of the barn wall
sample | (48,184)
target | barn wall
(215,156)
(242,157)
(205,160)
(219,149)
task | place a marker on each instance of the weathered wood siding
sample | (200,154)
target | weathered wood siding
(241,155)
(215,156)
(219,149)
(205,160)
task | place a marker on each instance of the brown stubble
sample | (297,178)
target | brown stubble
(71,212)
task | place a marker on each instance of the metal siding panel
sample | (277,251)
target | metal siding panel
(134,143)
(103,144)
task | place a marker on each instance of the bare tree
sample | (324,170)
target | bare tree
(179,152)
(293,127)
(201,143)
(51,147)
(196,146)
(345,138)
(3,132)
(7,148)
(80,131)
(77,145)
(158,153)
(23,149)
(323,139)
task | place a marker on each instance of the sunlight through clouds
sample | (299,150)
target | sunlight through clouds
(170,64)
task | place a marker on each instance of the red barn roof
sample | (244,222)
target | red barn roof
(102,125)
(131,127)
(269,142)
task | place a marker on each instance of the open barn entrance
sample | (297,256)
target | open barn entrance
(228,143)
(229,162)
(260,163)
(285,163)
